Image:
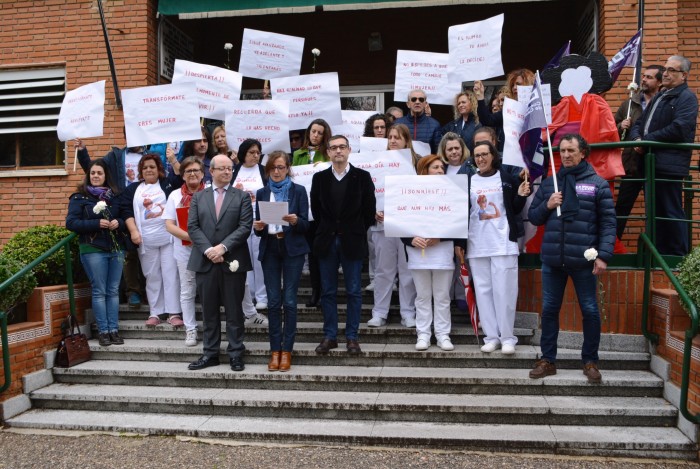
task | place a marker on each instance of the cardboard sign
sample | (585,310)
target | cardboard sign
(475,50)
(353,127)
(263,120)
(217,88)
(373,144)
(269,55)
(310,97)
(381,164)
(82,112)
(427,71)
(303,175)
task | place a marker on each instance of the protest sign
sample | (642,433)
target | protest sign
(427,71)
(421,148)
(263,120)
(267,55)
(524,97)
(82,112)
(475,50)
(217,88)
(380,164)
(164,113)
(353,127)
(373,144)
(310,97)
(303,175)
(427,206)
(513,120)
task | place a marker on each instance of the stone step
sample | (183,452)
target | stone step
(387,379)
(640,442)
(448,408)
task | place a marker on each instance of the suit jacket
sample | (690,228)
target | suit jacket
(231,229)
(355,217)
(294,236)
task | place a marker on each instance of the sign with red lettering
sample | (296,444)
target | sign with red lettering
(269,55)
(310,97)
(426,71)
(381,164)
(217,88)
(475,50)
(263,120)
(164,113)
(353,127)
(82,112)
(373,144)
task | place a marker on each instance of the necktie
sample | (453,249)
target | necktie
(219,200)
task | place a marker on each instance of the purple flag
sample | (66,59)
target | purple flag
(627,57)
(563,52)
(531,134)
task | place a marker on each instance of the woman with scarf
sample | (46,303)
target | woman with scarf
(94,215)
(175,216)
(282,251)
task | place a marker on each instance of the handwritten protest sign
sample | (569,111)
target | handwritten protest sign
(217,88)
(381,164)
(263,120)
(269,55)
(164,113)
(303,175)
(310,97)
(82,112)
(353,127)
(421,148)
(475,50)
(524,96)
(427,206)
(373,144)
(513,120)
(427,71)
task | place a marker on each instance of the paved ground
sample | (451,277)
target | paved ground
(90,450)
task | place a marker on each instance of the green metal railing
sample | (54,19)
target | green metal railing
(65,244)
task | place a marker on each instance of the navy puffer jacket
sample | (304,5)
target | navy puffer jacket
(423,128)
(592,227)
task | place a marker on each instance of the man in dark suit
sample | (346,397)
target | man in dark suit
(220,221)
(343,205)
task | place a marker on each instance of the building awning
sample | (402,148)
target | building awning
(197,9)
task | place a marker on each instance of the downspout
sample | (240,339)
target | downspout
(117,96)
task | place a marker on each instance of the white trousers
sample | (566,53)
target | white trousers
(162,284)
(372,257)
(255,279)
(432,302)
(188,292)
(496,290)
(248,306)
(390,258)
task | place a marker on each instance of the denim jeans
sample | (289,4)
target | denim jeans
(352,270)
(553,286)
(276,265)
(104,269)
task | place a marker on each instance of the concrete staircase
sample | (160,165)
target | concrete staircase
(391,395)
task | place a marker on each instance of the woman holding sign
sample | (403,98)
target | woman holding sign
(496,197)
(282,251)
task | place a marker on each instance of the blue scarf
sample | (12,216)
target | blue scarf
(281,189)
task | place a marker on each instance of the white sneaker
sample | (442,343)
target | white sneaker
(260,305)
(191,338)
(257,319)
(446,344)
(370,287)
(306,272)
(408,322)
(490,347)
(508,349)
(422,344)
(376,321)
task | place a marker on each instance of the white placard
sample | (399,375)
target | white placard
(272,212)
(310,97)
(524,96)
(217,88)
(373,144)
(380,164)
(427,71)
(427,206)
(353,127)
(267,55)
(82,112)
(513,121)
(475,50)
(303,175)
(264,120)
(164,113)
(422,148)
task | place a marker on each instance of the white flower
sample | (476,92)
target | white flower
(632,86)
(233,265)
(99,207)
(590,254)
(228,46)
(316,52)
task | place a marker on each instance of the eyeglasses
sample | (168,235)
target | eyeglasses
(253,153)
(481,156)
(379,127)
(279,168)
(673,70)
(338,147)
(192,171)
(416,98)
(225,169)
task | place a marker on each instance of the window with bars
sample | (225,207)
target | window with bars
(30,101)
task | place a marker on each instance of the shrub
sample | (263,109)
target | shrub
(31,243)
(689,275)
(20,290)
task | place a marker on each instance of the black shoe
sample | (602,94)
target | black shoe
(315,299)
(115,338)
(326,345)
(237,364)
(354,347)
(203,362)
(104,339)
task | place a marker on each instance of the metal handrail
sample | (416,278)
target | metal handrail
(65,244)
(649,252)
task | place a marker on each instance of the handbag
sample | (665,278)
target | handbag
(73,348)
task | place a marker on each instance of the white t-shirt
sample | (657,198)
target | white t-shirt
(149,203)
(251,180)
(488,224)
(438,257)
(131,162)
(452,169)
(180,252)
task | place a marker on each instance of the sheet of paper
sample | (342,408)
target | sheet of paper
(272,212)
